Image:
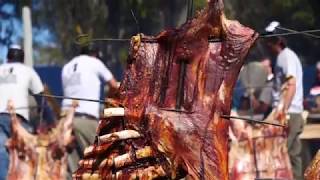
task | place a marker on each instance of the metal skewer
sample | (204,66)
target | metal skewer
(276,25)
(103,102)
(126,40)
(251,120)
(72,98)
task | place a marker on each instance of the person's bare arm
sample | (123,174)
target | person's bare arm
(291,85)
(113,88)
(113,83)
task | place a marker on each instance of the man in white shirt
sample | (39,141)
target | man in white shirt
(81,78)
(288,68)
(16,80)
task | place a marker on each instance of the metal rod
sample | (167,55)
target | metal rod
(72,98)
(34,107)
(295,31)
(136,21)
(255,158)
(268,179)
(27,107)
(183,67)
(256,87)
(154,40)
(180,89)
(110,39)
(251,120)
(289,33)
(177,110)
(190,10)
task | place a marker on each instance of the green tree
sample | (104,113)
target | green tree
(295,14)
(105,19)
(65,20)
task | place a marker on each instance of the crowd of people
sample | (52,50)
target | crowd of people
(286,70)
(83,75)
(81,78)
(16,81)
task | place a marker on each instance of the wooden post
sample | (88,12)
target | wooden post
(27,28)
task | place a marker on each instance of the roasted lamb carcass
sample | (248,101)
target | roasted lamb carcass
(313,171)
(41,156)
(176,87)
(260,151)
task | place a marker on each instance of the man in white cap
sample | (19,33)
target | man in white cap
(16,81)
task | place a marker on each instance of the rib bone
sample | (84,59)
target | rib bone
(149,173)
(122,135)
(127,159)
(113,112)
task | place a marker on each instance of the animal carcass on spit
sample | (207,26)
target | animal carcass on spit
(260,151)
(41,156)
(313,171)
(176,87)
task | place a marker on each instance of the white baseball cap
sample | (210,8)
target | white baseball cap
(15,46)
(272,26)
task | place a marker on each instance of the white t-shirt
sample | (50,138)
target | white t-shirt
(288,64)
(16,80)
(81,78)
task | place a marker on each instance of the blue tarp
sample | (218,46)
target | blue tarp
(309,78)
(51,76)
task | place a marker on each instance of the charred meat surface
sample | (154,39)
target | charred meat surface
(175,88)
(313,171)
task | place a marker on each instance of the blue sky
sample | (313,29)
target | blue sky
(5,27)
(42,37)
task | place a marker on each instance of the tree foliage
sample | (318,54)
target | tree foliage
(113,19)
(104,19)
(294,14)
